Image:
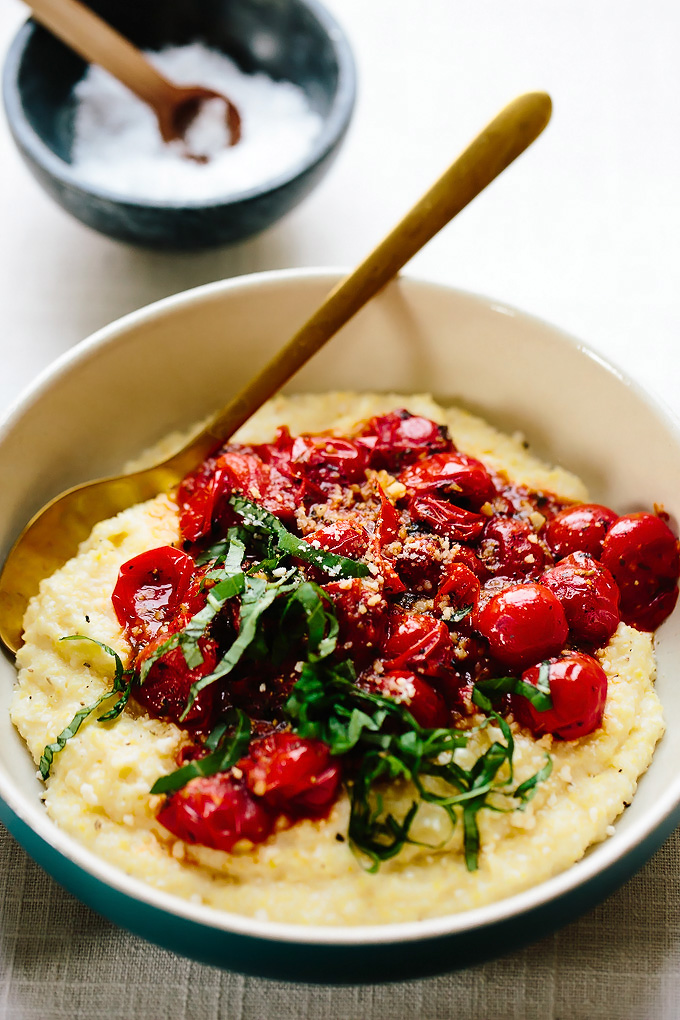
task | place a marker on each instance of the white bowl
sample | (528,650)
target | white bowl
(166,366)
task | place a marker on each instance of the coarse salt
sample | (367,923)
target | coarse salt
(118,147)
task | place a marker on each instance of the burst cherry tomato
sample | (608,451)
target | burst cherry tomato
(578,688)
(388,524)
(460,589)
(362,617)
(417,641)
(341,537)
(523,624)
(400,438)
(166,688)
(579,528)
(425,704)
(447,519)
(589,597)
(420,562)
(326,460)
(510,548)
(203,495)
(216,811)
(293,775)
(456,474)
(150,590)
(641,551)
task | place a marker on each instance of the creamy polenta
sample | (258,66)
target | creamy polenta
(98,790)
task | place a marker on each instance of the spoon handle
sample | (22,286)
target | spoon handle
(99,43)
(501,141)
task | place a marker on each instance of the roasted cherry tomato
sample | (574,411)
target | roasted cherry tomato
(150,590)
(294,775)
(216,811)
(203,495)
(399,438)
(418,641)
(413,691)
(389,523)
(341,537)
(460,589)
(578,688)
(456,475)
(326,460)
(279,453)
(641,551)
(362,617)
(510,548)
(421,562)
(447,519)
(589,597)
(579,528)
(166,688)
(262,483)
(523,624)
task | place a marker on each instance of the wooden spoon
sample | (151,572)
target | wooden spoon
(93,39)
(53,535)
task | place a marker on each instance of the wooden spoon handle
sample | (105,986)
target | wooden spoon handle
(99,43)
(501,141)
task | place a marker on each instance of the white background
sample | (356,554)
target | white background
(584,231)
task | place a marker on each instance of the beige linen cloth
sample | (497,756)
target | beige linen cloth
(60,961)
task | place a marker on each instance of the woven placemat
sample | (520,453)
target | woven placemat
(60,960)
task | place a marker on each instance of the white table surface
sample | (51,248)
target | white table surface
(585,232)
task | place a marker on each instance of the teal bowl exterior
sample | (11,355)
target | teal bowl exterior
(328,963)
(307,47)
(414,336)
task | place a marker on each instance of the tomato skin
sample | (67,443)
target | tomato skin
(510,548)
(413,691)
(523,623)
(641,552)
(259,482)
(166,688)
(418,641)
(447,519)
(463,477)
(389,523)
(419,563)
(216,811)
(461,588)
(327,460)
(578,688)
(362,617)
(581,528)
(203,495)
(294,775)
(150,589)
(341,537)
(589,597)
(400,438)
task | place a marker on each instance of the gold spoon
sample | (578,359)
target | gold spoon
(93,39)
(53,535)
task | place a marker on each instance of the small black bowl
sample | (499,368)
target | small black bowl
(305,45)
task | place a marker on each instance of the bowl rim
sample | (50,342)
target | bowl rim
(599,859)
(333,128)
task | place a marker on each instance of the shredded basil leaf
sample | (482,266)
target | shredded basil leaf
(120,686)
(456,615)
(227,744)
(538,694)
(387,744)
(332,564)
